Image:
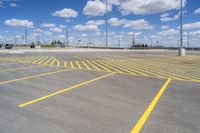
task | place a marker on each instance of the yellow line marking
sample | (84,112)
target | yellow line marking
(95,62)
(43,60)
(86,65)
(37,60)
(48,61)
(34,76)
(65,64)
(106,64)
(71,64)
(126,69)
(58,64)
(150,108)
(79,66)
(64,90)
(93,65)
(52,61)
(32,59)
(14,69)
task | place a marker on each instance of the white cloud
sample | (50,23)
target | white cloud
(56,29)
(145,7)
(164,27)
(48,25)
(140,24)
(197,11)
(195,25)
(169,32)
(66,13)
(134,33)
(166,17)
(96,8)
(95,22)
(13,5)
(19,23)
(86,27)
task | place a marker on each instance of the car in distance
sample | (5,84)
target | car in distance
(8,46)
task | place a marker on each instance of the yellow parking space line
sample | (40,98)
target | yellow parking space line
(58,63)
(159,72)
(150,108)
(14,69)
(43,60)
(35,58)
(19,59)
(86,66)
(109,66)
(65,64)
(45,63)
(96,63)
(90,63)
(39,59)
(27,59)
(52,61)
(34,76)
(135,69)
(126,69)
(65,90)
(79,66)
(71,64)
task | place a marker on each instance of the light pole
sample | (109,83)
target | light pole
(106,23)
(181,50)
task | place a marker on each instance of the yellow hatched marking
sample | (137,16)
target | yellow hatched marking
(43,60)
(48,61)
(101,66)
(35,62)
(30,61)
(86,65)
(71,64)
(135,69)
(93,65)
(79,66)
(65,64)
(105,64)
(126,69)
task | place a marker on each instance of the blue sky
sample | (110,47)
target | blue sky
(156,20)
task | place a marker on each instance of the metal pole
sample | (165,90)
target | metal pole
(181,25)
(106,23)
(67,36)
(26,37)
(188,40)
(181,50)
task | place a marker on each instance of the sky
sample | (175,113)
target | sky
(155,22)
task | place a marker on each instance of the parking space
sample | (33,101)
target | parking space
(115,93)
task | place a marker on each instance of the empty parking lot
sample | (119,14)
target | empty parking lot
(99,92)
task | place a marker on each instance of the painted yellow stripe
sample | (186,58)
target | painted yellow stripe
(150,108)
(33,59)
(95,62)
(28,59)
(87,67)
(58,63)
(48,61)
(126,69)
(52,62)
(93,65)
(79,66)
(43,60)
(71,64)
(34,76)
(64,90)
(110,66)
(37,60)
(65,64)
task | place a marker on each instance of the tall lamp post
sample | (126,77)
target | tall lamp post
(106,23)
(181,49)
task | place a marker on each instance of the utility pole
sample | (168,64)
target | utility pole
(118,40)
(26,33)
(151,43)
(106,23)
(188,40)
(181,50)
(67,37)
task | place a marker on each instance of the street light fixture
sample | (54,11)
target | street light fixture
(181,49)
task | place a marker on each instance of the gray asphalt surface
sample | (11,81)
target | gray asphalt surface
(113,104)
